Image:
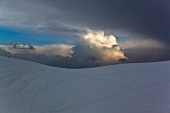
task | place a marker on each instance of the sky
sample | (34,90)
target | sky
(85,33)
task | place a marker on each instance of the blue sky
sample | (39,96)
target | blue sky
(14,36)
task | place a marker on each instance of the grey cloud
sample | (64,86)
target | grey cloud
(140,43)
(146,55)
(140,50)
(59,28)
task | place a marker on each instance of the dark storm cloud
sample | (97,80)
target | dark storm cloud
(149,18)
(140,18)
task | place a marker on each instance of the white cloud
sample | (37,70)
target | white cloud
(104,48)
(50,50)
(98,39)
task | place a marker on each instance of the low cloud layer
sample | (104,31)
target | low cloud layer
(49,50)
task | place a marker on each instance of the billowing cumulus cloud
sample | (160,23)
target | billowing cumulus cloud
(97,38)
(103,48)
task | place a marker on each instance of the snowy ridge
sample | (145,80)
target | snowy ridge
(27,87)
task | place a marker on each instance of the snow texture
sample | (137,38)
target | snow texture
(27,87)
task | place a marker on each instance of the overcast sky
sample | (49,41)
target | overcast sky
(124,28)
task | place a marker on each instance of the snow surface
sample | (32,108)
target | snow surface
(27,87)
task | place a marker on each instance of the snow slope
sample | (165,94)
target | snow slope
(27,87)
